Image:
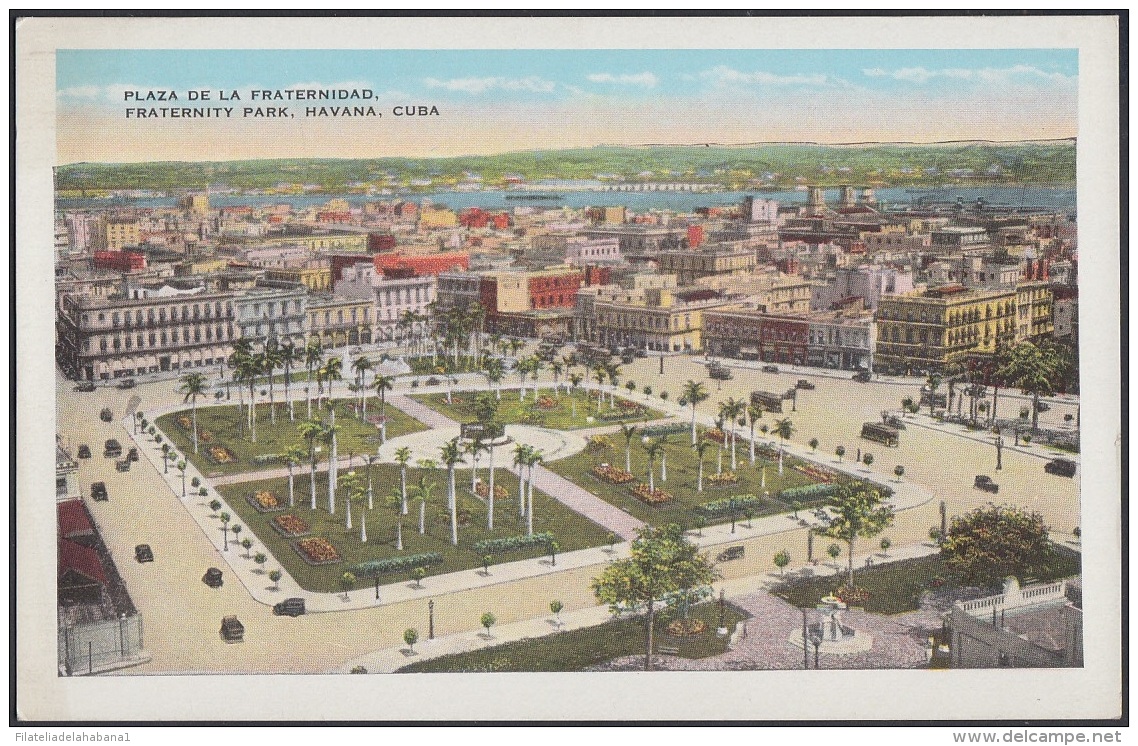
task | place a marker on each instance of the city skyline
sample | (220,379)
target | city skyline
(501,101)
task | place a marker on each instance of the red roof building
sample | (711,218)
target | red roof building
(74,522)
(119,261)
(424,264)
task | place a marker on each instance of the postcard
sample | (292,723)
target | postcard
(520,369)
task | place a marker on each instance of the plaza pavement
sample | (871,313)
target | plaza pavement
(182,615)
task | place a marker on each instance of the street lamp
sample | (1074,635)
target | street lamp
(816,641)
(999,449)
(733,507)
(805,646)
(431,619)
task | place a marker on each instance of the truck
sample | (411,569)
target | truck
(767,401)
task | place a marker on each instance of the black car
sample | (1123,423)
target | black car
(112,448)
(804,384)
(106,415)
(87,386)
(142,553)
(289,607)
(985,483)
(1042,407)
(770,369)
(212,577)
(862,376)
(99,492)
(232,630)
(84,451)
(132,454)
(127,383)
(1061,467)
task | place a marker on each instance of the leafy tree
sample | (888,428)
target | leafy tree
(796,506)
(488,620)
(662,562)
(486,560)
(834,551)
(867,459)
(247,543)
(275,576)
(236,529)
(840,452)
(611,540)
(993,542)
(886,542)
(554,548)
(814,444)
(347,582)
(260,558)
(858,511)
(215,505)
(417,575)
(899,471)
(225,518)
(1034,371)
(781,560)
(555,607)
(411,636)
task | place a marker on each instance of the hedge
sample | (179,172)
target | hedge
(513,543)
(656,431)
(397,564)
(742,502)
(808,492)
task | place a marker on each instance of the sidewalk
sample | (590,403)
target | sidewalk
(983,436)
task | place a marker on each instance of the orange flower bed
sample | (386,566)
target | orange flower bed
(719,480)
(716,435)
(221,455)
(650,497)
(185,422)
(611,474)
(822,475)
(317,550)
(483,490)
(267,500)
(290,525)
(546,402)
(686,627)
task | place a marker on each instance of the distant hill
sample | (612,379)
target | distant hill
(739,166)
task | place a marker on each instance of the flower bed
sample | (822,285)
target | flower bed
(546,402)
(686,627)
(599,443)
(815,472)
(722,507)
(852,597)
(205,436)
(464,517)
(316,551)
(220,455)
(265,501)
(716,435)
(185,422)
(612,475)
(482,489)
(650,497)
(722,480)
(289,526)
(628,405)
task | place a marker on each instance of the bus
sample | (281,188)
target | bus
(880,433)
(767,401)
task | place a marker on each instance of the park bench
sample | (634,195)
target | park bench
(667,651)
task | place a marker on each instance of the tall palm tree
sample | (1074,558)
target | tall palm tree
(293,456)
(652,448)
(521,454)
(533,459)
(933,382)
(382,384)
(754,414)
(242,351)
(328,435)
(536,364)
(451,455)
(313,357)
(693,393)
(494,370)
(490,492)
(474,448)
(613,372)
(422,491)
(312,430)
(600,375)
(515,345)
(270,361)
(290,355)
(557,368)
(735,407)
(333,371)
(360,366)
(784,429)
(700,448)
(351,484)
(248,368)
(522,369)
(402,457)
(629,432)
(193,386)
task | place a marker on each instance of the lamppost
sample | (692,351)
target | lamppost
(431,619)
(805,646)
(999,450)
(732,505)
(816,641)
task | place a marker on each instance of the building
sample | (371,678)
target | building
(607,215)
(759,210)
(953,239)
(929,330)
(747,332)
(841,340)
(66,474)
(338,321)
(315,240)
(155,329)
(414,265)
(317,279)
(198,202)
(867,282)
(973,272)
(272,312)
(117,233)
(639,239)
(1034,311)
(82,228)
(431,218)
(662,319)
(1065,313)
(119,261)
(720,260)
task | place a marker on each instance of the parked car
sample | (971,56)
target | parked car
(127,383)
(289,607)
(985,483)
(1062,467)
(99,492)
(106,415)
(85,386)
(719,372)
(862,376)
(1042,407)
(804,385)
(770,369)
(627,358)
(232,630)
(142,553)
(123,464)
(132,454)
(112,449)
(640,352)
(731,553)
(212,577)
(84,451)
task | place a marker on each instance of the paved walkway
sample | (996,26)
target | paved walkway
(420,411)
(984,436)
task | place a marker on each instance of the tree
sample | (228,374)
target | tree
(693,394)
(813,444)
(289,355)
(215,505)
(899,471)
(933,383)
(402,457)
(360,366)
(248,369)
(311,430)
(236,529)
(313,357)
(411,636)
(451,455)
(886,542)
(182,468)
(840,451)
(781,560)
(652,449)
(867,459)
(247,543)
(494,370)
(1033,370)
(382,384)
(857,511)
(225,518)
(834,551)
(555,607)
(417,575)
(534,458)
(574,381)
(260,558)
(754,414)
(784,429)
(488,620)
(293,455)
(275,576)
(629,432)
(347,582)
(486,562)
(729,411)
(700,448)
(193,386)
(662,562)
(328,435)
(422,491)
(993,542)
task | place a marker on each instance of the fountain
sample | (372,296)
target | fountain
(829,635)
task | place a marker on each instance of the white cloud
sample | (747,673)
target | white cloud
(645,79)
(533,84)
(989,75)
(82,91)
(107,93)
(723,75)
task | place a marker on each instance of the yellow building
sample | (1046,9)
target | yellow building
(1034,301)
(337,321)
(318,241)
(690,266)
(197,202)
(116,234)
(662,319)
(317,279)
(204,266)
(430,217)
(929,330)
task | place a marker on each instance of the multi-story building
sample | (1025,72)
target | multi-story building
(1065,313)
(710,261)
(841,340)
(82,228)
(318,240)
(117,233)
(431,218)
(147,330)
(317,279)
(929,330)
(663,319)
(973,272)
(272,311)
(750,333)
(392,297)
(954,239)
(867,282)
(1034,311)
(337,321)
(640,239)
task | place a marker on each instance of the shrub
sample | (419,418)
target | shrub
(267,458)
(195,482)
(398,564)
(512,543)
(867,459)
(721,507)
(664,395)
(202,492)
(808,492)
(648,391)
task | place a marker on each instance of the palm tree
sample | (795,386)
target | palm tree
(382,384)
(652,448)
(495,371)
(933,383)
(311,430)
(332,372)
(369,459)
(515,345)
(270,361)
(600,374)
(629,432)
(574,381)
(402,456)
(193,386)
(613,372)
(247,370)
(557,368)
(422,492)
(451,455)
(522,369)
(533,459)
(754,413)
(521,454)
(361,365)
(729,411)
(693,393)
(313,357)
(290,355)
(700,448)
(328,435)
(293,455)
(475,447)
(351,484)
(784,429)
(663,441)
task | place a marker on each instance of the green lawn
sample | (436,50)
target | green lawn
(682,479)
(224,426)
(548,410)
(580,649)
(896,587)
(571,530)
